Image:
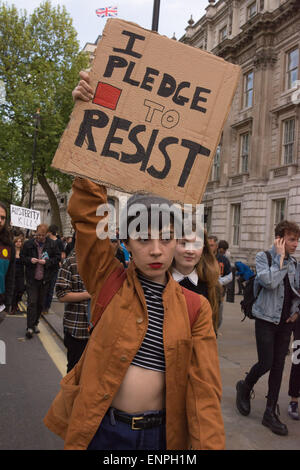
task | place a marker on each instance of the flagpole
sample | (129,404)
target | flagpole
(155,16)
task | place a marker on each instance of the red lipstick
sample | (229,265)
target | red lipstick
(155,265)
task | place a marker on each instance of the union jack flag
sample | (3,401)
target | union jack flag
(107,11)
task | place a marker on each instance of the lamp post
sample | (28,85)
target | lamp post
(37,119)
(155,16)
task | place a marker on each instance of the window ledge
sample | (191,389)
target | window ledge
(239,179)
(283,170)
(212,185)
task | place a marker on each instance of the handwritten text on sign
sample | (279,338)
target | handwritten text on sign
(108,96)
(25,218)
(156,116)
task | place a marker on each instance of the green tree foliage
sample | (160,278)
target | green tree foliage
(39,65)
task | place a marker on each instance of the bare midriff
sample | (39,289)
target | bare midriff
(141,390)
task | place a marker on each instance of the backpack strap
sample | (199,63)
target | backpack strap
(268,255)
(193,302)
(109,289)
(115,281)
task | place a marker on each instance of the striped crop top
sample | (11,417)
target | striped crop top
(151,353)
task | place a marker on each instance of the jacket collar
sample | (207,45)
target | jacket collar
(274,253)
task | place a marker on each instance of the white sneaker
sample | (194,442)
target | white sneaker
(293,410)
(36,330)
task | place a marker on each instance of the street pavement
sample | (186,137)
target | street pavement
(28,387)
(29,380)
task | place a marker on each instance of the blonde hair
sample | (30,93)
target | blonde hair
(208,271)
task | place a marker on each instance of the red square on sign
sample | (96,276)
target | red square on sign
(107,95)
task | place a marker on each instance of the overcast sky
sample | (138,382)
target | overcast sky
(174,14)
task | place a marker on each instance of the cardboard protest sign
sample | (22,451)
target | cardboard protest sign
(24,218)
(156,116)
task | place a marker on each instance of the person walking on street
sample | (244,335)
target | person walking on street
(275,311)
(19,285)
(40,256)
(294,381)
(52,234)
(225,275)
(71,291)
(7,263)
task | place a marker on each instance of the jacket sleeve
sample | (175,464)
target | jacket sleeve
(95,254)
(63,284)
(204,389)
(25,254)
(54,255)
(269,277)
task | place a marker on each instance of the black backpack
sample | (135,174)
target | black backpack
(248,293)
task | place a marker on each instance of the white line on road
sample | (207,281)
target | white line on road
(55,352)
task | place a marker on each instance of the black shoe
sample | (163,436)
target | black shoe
(243,397)
(271,420)
(29,333)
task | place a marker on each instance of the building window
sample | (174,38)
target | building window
(236,223)
(279,211)
(223,34)
(207,218)
(288,141)
(244,152)
(216,164)
(251,10)
(248,90)
(292,66)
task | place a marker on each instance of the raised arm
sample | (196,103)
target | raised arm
(95,256)
(270,276)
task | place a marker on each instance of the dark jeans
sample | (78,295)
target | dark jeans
(116,435)
(36,292)
(272,342)
(49,294)
(75,348)
(294,383)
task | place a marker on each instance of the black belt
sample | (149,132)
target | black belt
(141,422)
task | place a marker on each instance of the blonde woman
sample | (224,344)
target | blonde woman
(195,268)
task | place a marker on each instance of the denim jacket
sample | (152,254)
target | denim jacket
(269,303)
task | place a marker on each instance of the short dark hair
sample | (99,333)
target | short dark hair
(213,237)
(6,236)
(223,244)
(285,227)
(53,229)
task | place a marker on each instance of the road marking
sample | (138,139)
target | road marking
(55,352)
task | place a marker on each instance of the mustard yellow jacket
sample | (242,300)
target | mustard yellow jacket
(192,377)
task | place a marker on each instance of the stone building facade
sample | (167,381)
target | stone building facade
(255,179)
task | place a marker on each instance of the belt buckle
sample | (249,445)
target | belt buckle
(133,422)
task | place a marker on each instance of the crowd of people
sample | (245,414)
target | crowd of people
(45,262)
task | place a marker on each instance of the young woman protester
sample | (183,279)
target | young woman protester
(147,380)
(196,268)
